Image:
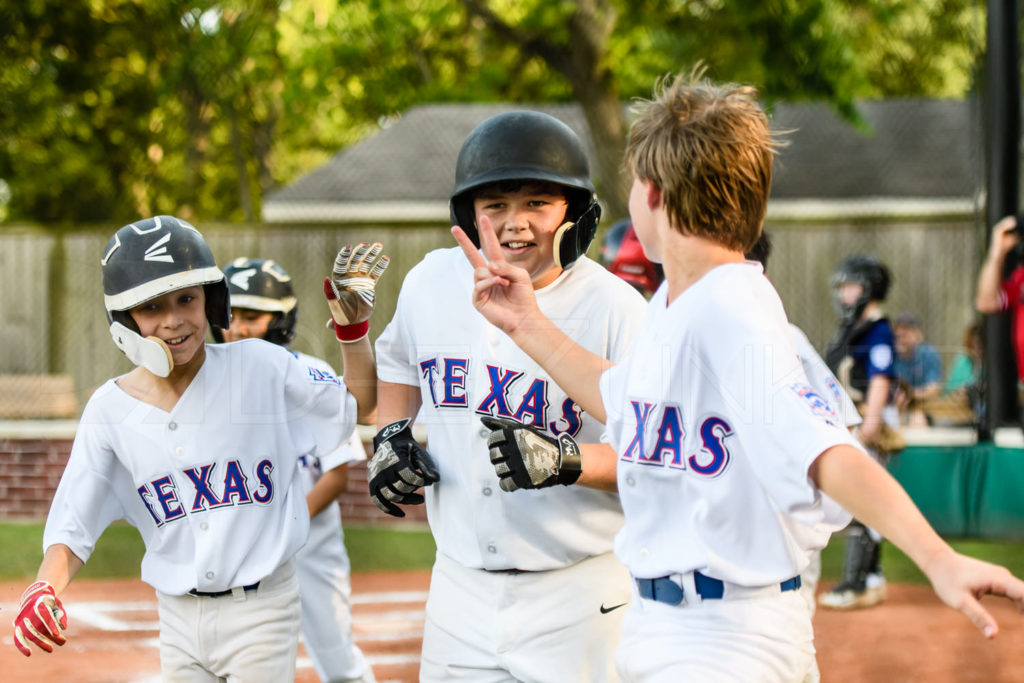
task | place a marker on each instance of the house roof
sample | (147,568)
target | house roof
(918,155)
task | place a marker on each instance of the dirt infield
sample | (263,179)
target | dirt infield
(911,637)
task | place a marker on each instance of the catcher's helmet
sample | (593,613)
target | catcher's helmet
(866,271)
(263,285)
(528,145)
(149,258)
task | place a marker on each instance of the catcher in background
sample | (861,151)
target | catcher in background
(197,448)
(525,586)
(723,449)
(862,355)
(263,306)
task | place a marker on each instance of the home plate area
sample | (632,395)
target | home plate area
(112,633)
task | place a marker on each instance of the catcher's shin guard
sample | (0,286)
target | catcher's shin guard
(860,560)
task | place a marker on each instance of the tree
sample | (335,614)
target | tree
(115,108)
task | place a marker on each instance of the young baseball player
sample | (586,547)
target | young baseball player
(198,448)
(724,451)
(263,306)
(525,585)
(862,355)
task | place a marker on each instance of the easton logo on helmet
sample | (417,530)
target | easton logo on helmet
(158,250)
(241,278)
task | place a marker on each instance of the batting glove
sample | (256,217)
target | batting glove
(41,619)
(398,467)
(526,458)
(351,288)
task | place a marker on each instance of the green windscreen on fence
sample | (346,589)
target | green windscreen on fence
(966,491)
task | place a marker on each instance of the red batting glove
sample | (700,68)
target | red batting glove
(42,619)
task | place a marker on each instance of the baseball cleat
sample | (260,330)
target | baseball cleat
(847,597)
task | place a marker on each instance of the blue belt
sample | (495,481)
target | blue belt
(664,589)
(220,594)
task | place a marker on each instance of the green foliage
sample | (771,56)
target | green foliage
(115,108)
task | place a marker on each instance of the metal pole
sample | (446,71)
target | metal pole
(1001,116)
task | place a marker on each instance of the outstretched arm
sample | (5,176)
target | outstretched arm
(872,496)
(504,295)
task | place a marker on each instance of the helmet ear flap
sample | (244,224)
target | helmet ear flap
(461,213)
(573,239)
(218,304)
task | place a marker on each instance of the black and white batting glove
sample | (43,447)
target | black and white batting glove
(526,458)
(398,467)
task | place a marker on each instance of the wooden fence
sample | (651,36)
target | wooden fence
(54,322)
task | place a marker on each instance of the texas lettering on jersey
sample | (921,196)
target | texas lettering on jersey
(168,499)
(510,393)
(659,435)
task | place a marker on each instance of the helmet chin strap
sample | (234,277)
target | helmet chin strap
(149,352)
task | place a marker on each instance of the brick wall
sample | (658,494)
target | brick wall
(31,466)
(29,472)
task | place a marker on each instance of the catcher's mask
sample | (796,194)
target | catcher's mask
(145,260)
(528,145)
(263,285)
(866,271)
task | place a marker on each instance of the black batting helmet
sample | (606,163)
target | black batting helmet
(148,258)
(868,272)
(263,285)
(528,145)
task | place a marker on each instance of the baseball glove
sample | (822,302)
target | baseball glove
(41,619)
(526,458)
(398,467)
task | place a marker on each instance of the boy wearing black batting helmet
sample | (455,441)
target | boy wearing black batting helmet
(196,447)
(534,566)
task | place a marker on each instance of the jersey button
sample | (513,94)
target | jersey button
(487,491)
(209,575)
(179,450)
(204,526)
(485,432)
(630,481)
(172,426)
(491,549)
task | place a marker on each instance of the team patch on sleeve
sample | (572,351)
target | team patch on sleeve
(322,376)
(818,405)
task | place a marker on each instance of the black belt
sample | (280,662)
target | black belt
(664,589)
(221,594)
(509,571)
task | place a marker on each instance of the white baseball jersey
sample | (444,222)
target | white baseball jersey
(467,368)
(716,426)
(212,485)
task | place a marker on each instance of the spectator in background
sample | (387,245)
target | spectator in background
(918,370)
(961,404)
(965,371)
(1000,292)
